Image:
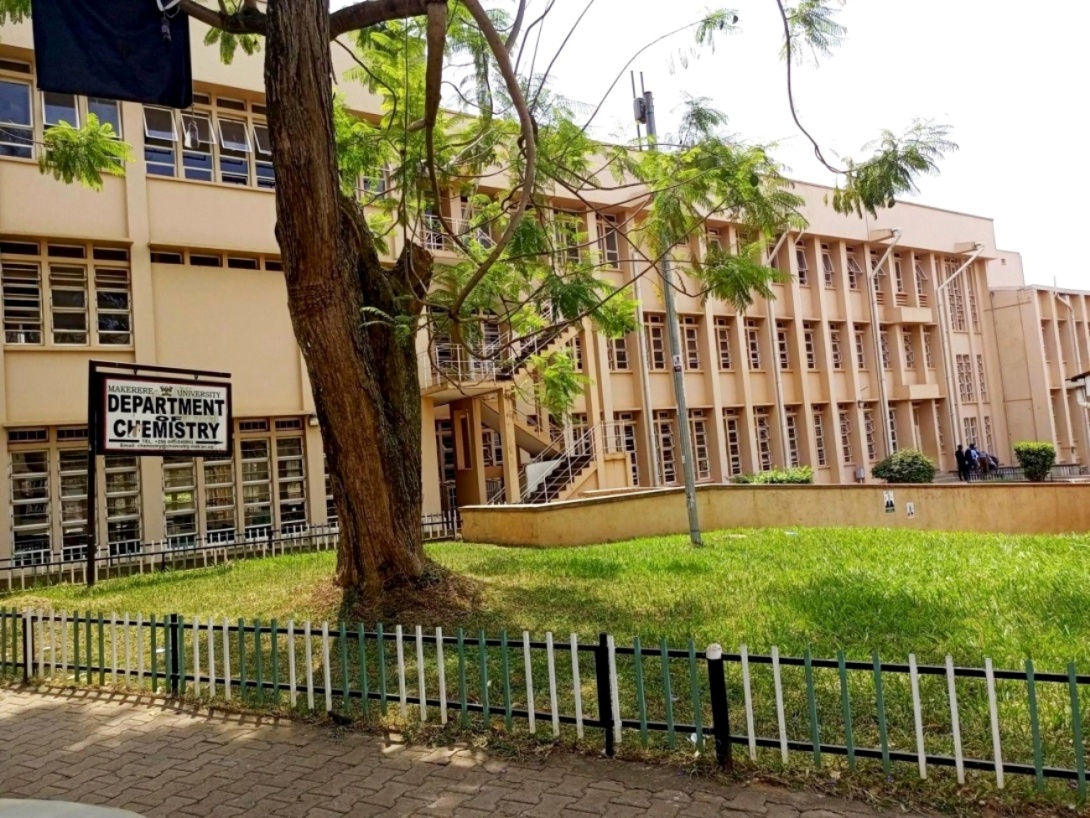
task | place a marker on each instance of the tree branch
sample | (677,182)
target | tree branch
(513,34)
(373,12)
(529,147)
(250,20)
(789,58)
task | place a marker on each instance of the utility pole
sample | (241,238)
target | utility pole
(645,115)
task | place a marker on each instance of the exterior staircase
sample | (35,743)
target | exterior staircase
(568,469)
(527,436)
(564,466)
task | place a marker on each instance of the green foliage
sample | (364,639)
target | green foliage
(737,279)
(814,23)
(84,154)
(715,22)
(906,466)
(14,11)
(556,383)
(796,475)
(550,270)
(230,43)
(1036,459)
(893,169)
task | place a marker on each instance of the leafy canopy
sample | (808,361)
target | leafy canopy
(554,269)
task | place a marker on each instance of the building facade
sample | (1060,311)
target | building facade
(1044,339)
(884,337)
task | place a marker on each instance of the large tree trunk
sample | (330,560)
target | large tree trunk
(363,375)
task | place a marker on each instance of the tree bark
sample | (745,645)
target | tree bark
(363,373)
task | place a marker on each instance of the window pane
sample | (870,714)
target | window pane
(261,139)
(76,299)
(70,321)
(107,110)
(113,300)
(159,124)
(196,131)
(233,135)
(57,108)
(14,103)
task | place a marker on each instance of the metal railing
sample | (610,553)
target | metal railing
(1016,474)
(454,364)
(436,238)
(26,569)
(494,490)
(871,712)
(565,458)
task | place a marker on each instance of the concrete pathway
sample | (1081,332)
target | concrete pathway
(142,755)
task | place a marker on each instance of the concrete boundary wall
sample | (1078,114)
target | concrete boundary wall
(1050,508)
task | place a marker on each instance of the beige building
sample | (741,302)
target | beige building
(176,264)
(1044,340)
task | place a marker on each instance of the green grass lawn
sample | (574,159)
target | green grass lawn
(863,591)
(890,591)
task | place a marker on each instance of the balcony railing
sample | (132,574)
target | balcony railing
(454,364)
(436,238)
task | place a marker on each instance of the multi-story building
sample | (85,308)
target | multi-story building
(176,264)
(1044,340)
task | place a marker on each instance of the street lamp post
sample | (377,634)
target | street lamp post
(645,114)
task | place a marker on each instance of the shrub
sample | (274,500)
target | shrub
(797,475)
(1035,458)
(906,466)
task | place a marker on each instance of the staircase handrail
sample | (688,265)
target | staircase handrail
(605,437)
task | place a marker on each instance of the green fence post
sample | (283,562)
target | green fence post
(508,720)
(815,731)
(154,656)
(664,649)
(1035,727)
(482,651)
(1076,727)
(101,652)
(258,662)
(90,647)
(694,688)
(75,645)
(846,707)
(275,631)
(345,687)
(381,649)
(640,693)
(242,660)
(462,692)
(365,688)
(880,705)
(179,635)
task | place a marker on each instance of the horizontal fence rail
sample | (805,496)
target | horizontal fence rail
(1000,721)
(30,568)
(1016,474)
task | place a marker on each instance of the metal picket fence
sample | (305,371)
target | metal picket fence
(1000,721)
(30,568)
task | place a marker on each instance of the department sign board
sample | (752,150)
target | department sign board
(164,416)
(145,410)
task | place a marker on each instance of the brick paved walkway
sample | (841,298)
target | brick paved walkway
(158,761)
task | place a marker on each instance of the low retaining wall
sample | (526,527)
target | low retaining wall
(1050,508)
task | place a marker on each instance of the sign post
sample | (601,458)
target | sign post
(151,411)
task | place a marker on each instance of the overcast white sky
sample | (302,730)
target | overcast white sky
(1008,76)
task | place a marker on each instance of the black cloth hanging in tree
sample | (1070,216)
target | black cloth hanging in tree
(117,49)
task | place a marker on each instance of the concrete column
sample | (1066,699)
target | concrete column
(511,484)
(468,443)
(429,459)
(315,472)
(717,438)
